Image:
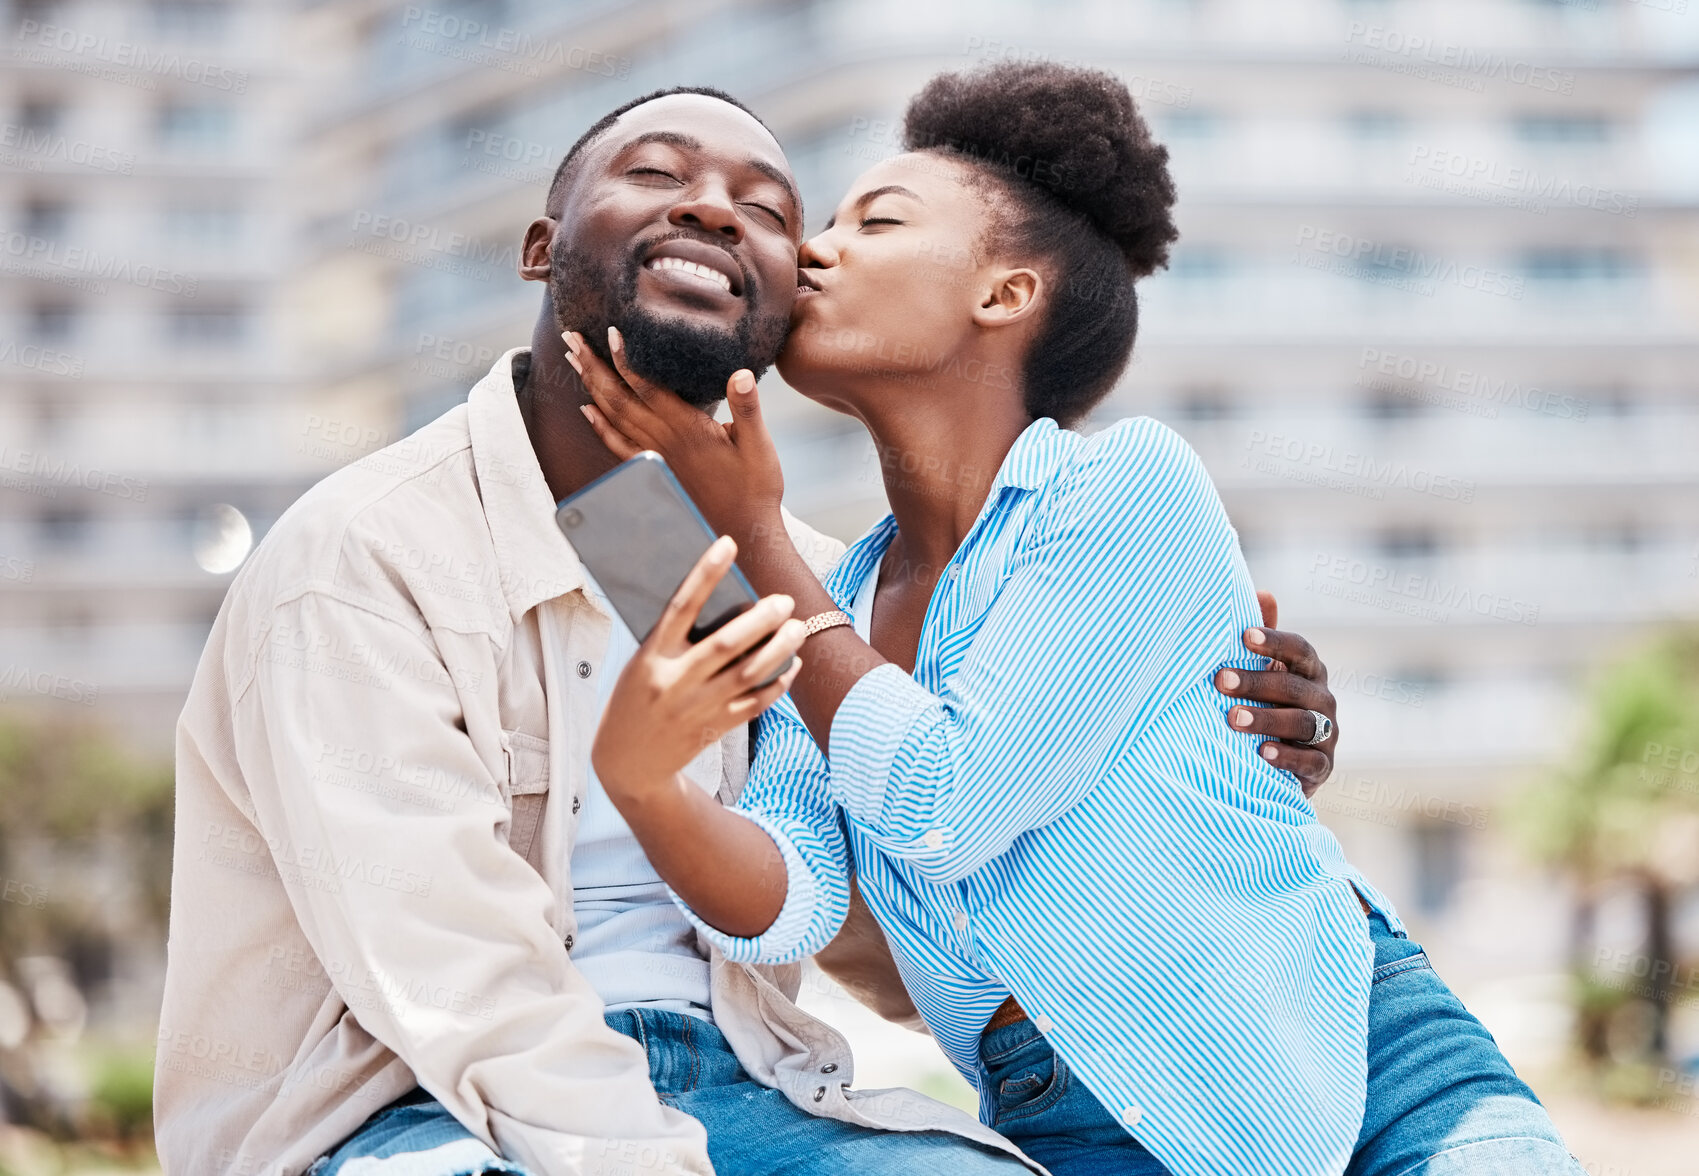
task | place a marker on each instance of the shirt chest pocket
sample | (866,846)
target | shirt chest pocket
(527,788)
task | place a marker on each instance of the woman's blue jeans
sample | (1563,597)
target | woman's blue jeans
(1442,1099)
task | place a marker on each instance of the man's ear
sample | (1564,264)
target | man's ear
(1012,297)
(534,253)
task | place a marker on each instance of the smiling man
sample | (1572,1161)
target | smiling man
(409,933)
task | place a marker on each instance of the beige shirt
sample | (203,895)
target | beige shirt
(379,771)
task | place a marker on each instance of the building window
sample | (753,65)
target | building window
(1407,543)
(63,528)
(41,116)
(1203,403)
(203,224)
(1577,268)
(207,326)
(195,20)
(1438,853)
(1390,403)
(1191,125)
(53,322)
(1564,130)
(196,126)
(1376,126)
(46,219)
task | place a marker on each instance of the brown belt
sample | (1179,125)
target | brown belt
(1008,1013)
(1011,1013)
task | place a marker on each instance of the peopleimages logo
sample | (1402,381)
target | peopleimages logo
(1462,174)
(1429,597)
(83,47)
(1416,53)
(25,255)
(1482,390)
(42,146)
(1397,265)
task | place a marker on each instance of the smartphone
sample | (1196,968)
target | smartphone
(640,534)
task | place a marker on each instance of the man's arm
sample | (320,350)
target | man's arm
(435,933)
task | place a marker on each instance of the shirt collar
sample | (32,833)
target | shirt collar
(535,560)
(1033,458)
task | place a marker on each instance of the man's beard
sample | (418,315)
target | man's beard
(693,359)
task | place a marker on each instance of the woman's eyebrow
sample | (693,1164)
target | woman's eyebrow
(888,190)
(865,198)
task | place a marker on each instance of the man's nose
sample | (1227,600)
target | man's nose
(711,211)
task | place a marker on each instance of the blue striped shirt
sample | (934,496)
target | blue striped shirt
(1053,806)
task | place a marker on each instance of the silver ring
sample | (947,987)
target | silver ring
(1324,730)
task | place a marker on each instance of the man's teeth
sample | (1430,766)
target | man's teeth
(696,269)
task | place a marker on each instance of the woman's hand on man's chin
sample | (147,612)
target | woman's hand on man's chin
(731,471)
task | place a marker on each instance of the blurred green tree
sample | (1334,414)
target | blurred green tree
(1624,812)
(85,876)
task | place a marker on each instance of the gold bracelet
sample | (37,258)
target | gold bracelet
(820,622)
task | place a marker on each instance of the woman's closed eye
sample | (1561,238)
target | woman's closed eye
(879,220)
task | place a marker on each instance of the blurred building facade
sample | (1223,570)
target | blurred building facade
(147,218)
(1433,322)
(1433,325)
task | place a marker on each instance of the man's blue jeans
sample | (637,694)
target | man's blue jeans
(1442,1099)
(752,1130)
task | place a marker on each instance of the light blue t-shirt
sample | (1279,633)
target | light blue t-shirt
(634,946)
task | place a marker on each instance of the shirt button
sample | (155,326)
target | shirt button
(583,669)
(933,839)
(1131,1116)
(1042,1023)
(819,1093)
(829,1068)
(955,571)
(576,804)
(569,942)
(959,918)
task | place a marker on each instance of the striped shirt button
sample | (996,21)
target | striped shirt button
(1131,1116)
(959,918)
(933,839)
(1043,1024)
(955,571)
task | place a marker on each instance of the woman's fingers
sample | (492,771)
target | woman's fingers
(765,661)
(737,636)
(622,407)
(672,632)
(661,404)
(748,428)
(751,705)
(618,443)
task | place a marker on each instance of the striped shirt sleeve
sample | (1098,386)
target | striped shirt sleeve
(1114,604)
(787,797)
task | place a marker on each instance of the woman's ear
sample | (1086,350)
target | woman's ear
(1012,297)
(534,253)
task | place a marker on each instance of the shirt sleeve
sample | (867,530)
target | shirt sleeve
(1117,600)
(787,796)
(435,933)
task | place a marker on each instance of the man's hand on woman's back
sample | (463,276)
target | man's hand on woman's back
(1295,686)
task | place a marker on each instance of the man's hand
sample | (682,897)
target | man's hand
(1296,685)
